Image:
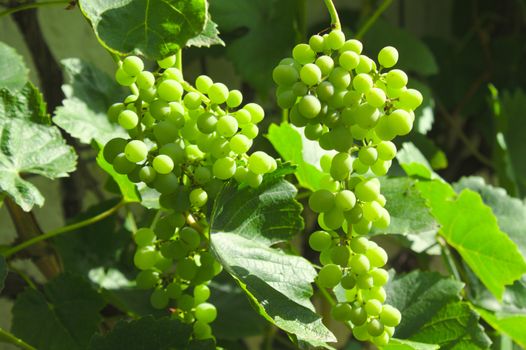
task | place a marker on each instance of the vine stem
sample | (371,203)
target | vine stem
(33,5)
(335,20)
(7,337)
(179,60)
(367,25)
(68,228)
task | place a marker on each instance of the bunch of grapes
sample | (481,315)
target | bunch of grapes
(354,109)
(185,142)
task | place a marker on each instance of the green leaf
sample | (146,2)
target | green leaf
(510,324)
(245,222)
(292,146)
(89,94)
(414,163)
(410,216)
(3,272)
(469,226)
(419,296)
(155,29)
(263,22)
(13,70)
(415,56)
(145,333)
(128,189)
(208,37)
(64,317)
(455,326)
(510,212)
(29,145)
(404,344)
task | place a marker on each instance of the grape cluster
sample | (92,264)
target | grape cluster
(354,109)
(185,142)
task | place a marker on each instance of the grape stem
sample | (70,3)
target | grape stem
(68,228)
(7,337)
(367,25)
(335,20)
(32,6)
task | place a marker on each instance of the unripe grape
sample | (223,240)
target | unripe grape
(218,93)
(359,264)
(368,155)
(352,45)
(332,219)
(240,144)
(128,119)
(224,168)
(410,99)
(345,200)
(145,80)
(377,256)
(382,339)
(348,281)
(207,122)
(132,65)
(192,100)
(380,277)
(309,106)
(205,312)
(325,64)
(364,281)
(336,39)
(173,74)
(147,174)
(372,211)
(400,122)
(320,240)
(227,126)
(163,164)
(349,60)
(365,65)
(388,56)
(373,307)
(390,316)
(340,78)
(367,190)
(122,165)
(144,236)
(286,99)
(381,167)
(145,257)
(285,75)
(316,43)
(159,298)
(386,150)
(136,151)
(340,255)
(325,91)
(123,78)
(358,167)
(376,97)
(321,201)
(396,79)
(341,166)
(375,327)
(203,83)
(256,112)
(147,279)
(259,163)
(202,330)
(243,117)
(341,312)
(234,99)
(113,148)
(198,197)
(358,315)
(303,53)
(167,62)
(363,82)
(313,131)
(329,276)
(201,293)
(170,90)
(359,245)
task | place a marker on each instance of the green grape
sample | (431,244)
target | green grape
(145,80)
(170,90)
(299,89)
(381,340)
(383,130)
(234,99)
(123,78)
(144,236)
(186,269)
(173,74)
(341,142)
(167,62)
(383,221)
(122,165)
(341,312)
(367,190)
(224,168)
(349,60)
(202,175)
(400,122)
(375,327)
(373,307)
(160,109)
(340,255)
(335,39)
(303,53)
(227,126)
(380,277)
(163,164)
(192,100)
(114,110)
(332,219)
(243,117)
(365,65)
(285,75)
(371,211)
(240,144)
(207,122)
(329,276)
(325,91)
(174,250)
(368,155)
(320,240)
(259,163)
(165,132)
(374,292)
(174,290)
(325,257)
(325,162)
(256,112)
(359,264)
(159,298)
(178,200)
(396,79)
(341,166)
(410,99)
(362,82)
(198,197)
(325,64)
(201,293)
(147,279)
(366,116)
(113,148)
(352,45)
(376,255)
(132,65)
(145,257)
(376,97)
(364,281)
(185,302)
(386,150)
(381,167)
(358,315)
(328,183)
(218,93)
(316,43)
(390,316)
(174,151)
(167,183)
(359,245)
(220,148)
(128,119)
(202,330)
(241,174)
(321,201)
(205,312)
(310,74)
(203,83)
(190,237)
(358,166)
(313,131)
(136,151)
(348,281)
(388,56)
(340,78)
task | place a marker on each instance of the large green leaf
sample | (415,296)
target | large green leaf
(63,317)
(13,70)
(154,29)
(245,222)
(145,333)
(89,93)
(292,146)
(29,145)
(510,324)
(410,216)
(267,35)
(404,344)
(3,272)
(469,226)
(208,37)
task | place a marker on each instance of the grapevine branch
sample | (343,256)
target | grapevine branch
(335,20)
(7,337)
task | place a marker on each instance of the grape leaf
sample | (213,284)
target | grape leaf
(3,272)
(89,94)
(510,324)
(267,35)
(13,70)
(155,29)
(410,216)
(469,226)
(63,317)
(208,37)
(29,145)
(414,163)
(404,344)
(292,146)
(245,222)
(144,333)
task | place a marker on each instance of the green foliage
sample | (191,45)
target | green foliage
(414,163)
(510,324)
(403,344)
(13,70)
(29,145)
(208,37)
(155,29)
(3,272)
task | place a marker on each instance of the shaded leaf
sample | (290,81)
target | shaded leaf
(89,93)
(29,145)
(510,324)
(3,272)
(155,29)
(208,37)
(13,70)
